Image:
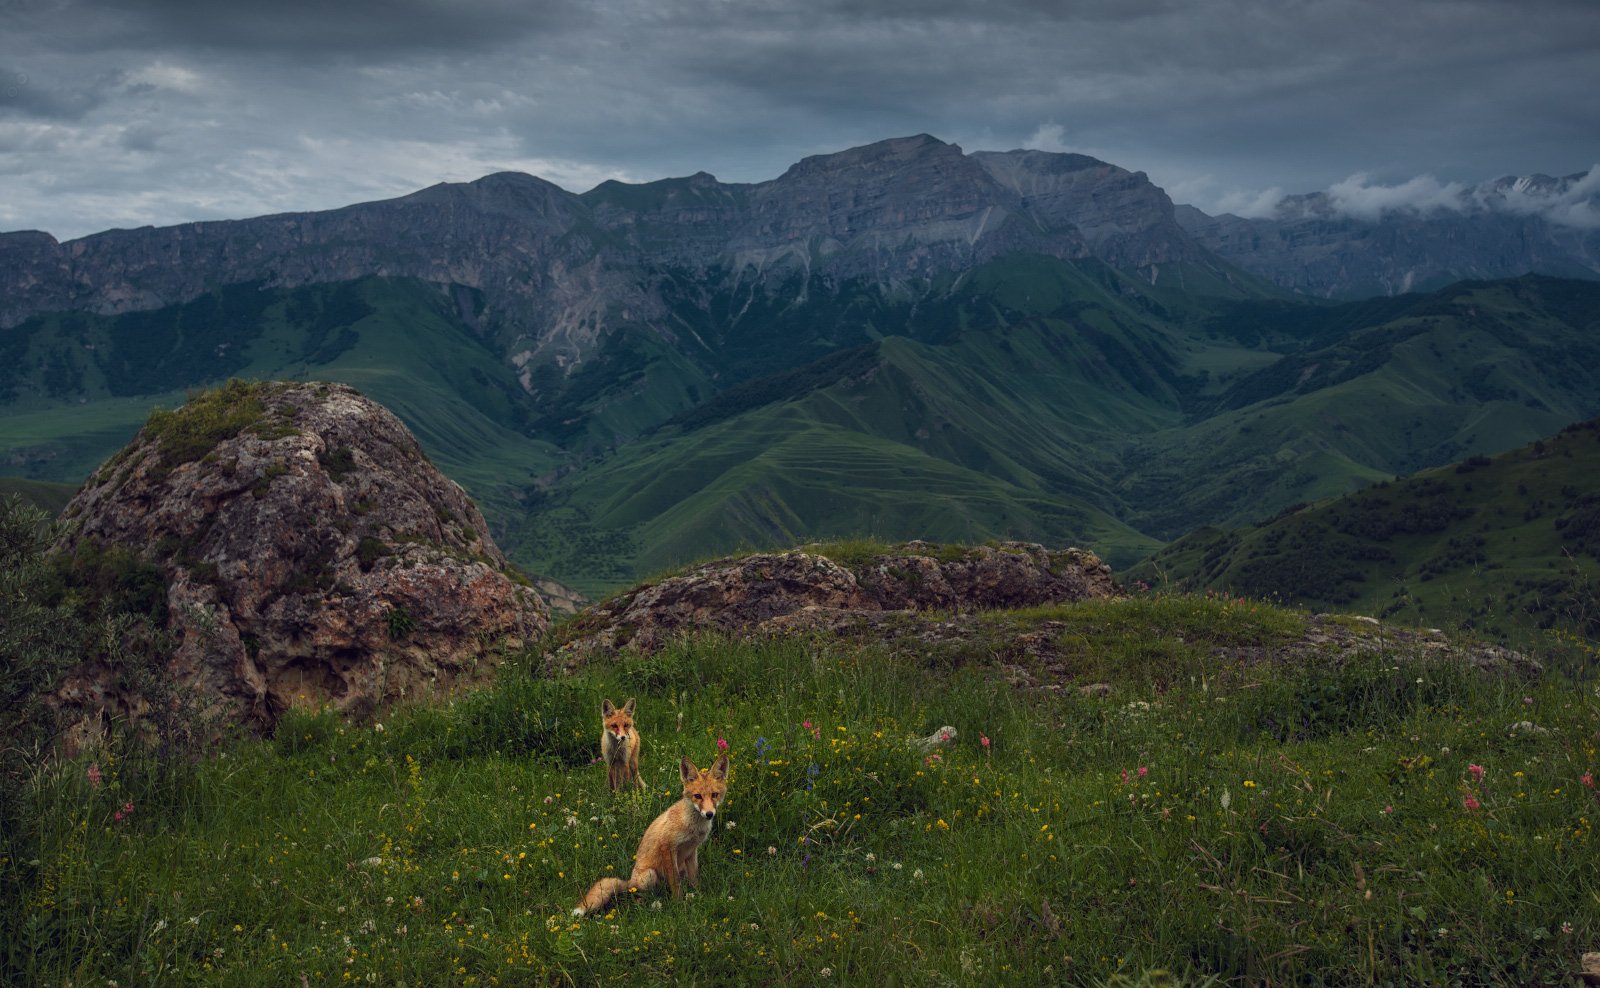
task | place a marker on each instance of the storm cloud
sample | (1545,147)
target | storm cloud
(130,112)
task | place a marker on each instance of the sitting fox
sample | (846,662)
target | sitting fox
(671,845)
(619,745)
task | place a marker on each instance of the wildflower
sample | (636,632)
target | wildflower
(1587,779)
(1471,802)
(826,972)
(806,724)
(548,800)
(1527,701)
(1477,772)
(94,774)
(377,728)
(722,744)
(1249,784)
(656,905)
(917,874)
(771,851)
(761,747)
(983,739)
(127,810)
(897,866)
(1566,928)
(871,857)
(1144,770)
(1387,810)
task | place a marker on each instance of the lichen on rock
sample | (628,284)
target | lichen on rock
(312,555)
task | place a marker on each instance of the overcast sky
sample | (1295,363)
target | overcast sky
(130,112)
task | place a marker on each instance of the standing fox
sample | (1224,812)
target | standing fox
(671,845)
(619,745)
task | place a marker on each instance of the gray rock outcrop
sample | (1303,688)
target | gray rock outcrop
(312,556)
(806,589)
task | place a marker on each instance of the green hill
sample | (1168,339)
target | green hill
(47,497)
(1029,397)
(80,385)
(1505,545)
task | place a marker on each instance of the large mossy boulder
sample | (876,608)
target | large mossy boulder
(310,554)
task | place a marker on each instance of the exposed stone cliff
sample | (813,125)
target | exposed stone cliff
(312,555)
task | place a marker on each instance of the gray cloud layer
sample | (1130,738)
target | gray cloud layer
(122,113)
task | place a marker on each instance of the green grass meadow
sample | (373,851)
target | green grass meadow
(1377,820)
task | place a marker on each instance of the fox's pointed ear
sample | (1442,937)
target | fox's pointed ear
(719,768)
(606,709)
(627,708)
(687,770)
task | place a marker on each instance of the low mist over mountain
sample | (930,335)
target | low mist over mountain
(1358,239)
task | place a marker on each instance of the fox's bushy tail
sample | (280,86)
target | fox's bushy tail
(606,889)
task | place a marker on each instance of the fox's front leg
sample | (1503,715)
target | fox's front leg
(689,862)
(675,877)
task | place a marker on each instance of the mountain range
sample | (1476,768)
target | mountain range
(901,340)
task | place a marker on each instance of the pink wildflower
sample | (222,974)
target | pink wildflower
(1124,776)
(1477,772)
(1144,770)
(94,774)
(127,810)
(722,744)
(806,724)
(1587,779)
(1471,802)
(983,739)
(1387,810)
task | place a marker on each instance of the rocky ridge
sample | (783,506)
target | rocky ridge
(310,552)
(808,589)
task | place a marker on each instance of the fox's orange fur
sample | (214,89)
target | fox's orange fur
(671,845)
(619,745)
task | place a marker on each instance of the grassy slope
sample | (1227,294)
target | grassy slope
(1477,369)
(1029,398)
(47,497)
(402,343)
(1273,823)
(1503,545)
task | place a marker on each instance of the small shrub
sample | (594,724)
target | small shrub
(399,622)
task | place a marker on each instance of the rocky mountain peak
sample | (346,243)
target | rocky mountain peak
(311,554)
(1123,216)
(889,155)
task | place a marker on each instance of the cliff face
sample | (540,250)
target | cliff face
(559,271)
(312,555)
(1122,218)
